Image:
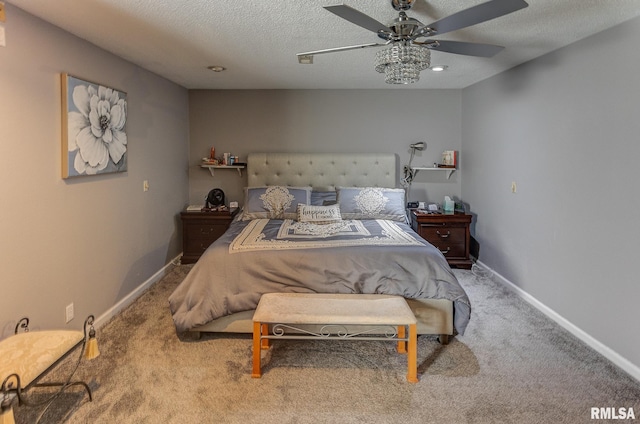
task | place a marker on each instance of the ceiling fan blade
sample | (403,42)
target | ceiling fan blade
(461,47)
(339,49)
(355,16)
(476,14)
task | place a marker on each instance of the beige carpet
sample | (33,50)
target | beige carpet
(512,366)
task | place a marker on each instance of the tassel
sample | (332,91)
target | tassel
(91,351)
(6,416)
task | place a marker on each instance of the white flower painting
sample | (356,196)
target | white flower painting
(94,128)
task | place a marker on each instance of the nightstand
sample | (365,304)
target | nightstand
(200,229)
(448,232)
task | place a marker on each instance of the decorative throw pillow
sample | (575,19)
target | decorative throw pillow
(372,203)
(319,214)
(274,202)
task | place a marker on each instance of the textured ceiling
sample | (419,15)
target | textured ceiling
(257,40)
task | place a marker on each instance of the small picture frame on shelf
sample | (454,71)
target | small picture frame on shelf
(449,159)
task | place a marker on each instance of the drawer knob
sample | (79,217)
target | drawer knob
(444,252)
(443,235)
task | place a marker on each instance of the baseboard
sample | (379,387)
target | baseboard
(623,363)
(127,300)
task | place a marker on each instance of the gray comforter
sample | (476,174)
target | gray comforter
(232,275)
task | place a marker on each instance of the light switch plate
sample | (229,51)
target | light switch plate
(3,40)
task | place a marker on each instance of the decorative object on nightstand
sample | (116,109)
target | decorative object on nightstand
(449,232)
(215,198)
(200,229)
(448,205)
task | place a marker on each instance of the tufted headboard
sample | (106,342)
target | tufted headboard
(322,171)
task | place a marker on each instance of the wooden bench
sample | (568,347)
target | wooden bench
(27,356)
(377,317)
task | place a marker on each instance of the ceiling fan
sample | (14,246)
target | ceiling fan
(409,39)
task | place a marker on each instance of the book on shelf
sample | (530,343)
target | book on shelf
(194,208)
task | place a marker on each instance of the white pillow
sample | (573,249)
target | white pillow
(319,214)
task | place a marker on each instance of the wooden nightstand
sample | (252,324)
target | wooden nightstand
(200,229)
(447,232)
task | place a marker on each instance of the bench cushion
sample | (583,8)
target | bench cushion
(330,308)
(30,354)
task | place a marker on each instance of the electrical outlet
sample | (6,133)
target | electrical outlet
(145,185)
(514,188)
(68,312)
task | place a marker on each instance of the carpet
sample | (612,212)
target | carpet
(513,365)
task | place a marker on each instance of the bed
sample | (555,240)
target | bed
(324,223)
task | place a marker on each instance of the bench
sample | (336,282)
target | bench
(376,317)
(28,355)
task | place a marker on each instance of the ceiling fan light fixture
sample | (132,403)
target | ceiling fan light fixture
(402,63)
(402,4)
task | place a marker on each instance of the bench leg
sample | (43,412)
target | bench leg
(257,331)
(412,357)
(402,345)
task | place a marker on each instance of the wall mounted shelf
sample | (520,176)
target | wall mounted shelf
(449,171)
(211,168)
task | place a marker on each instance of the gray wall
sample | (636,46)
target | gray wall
(244,121)
(90,240)
(565,128)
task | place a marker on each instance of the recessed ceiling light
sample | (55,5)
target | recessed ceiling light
(216,68)
(438,68)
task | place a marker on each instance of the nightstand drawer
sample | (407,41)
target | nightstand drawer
(450,240)
(205,231)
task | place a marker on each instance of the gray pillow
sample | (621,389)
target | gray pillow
(372,203)
(323,198)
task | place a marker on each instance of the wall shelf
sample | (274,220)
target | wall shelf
(449,171)
(211,168)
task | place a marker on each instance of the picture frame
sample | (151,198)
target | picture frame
(94,135)
(449,159)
